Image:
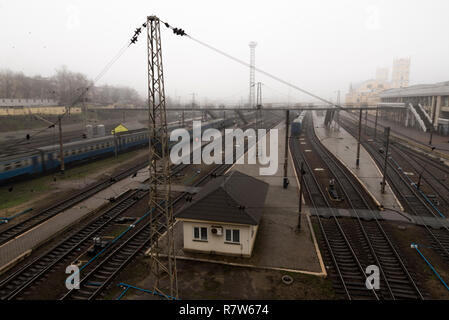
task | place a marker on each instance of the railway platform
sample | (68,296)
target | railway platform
(278,246)
(344,146)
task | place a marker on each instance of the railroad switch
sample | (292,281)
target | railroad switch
(98,245)
(332,191)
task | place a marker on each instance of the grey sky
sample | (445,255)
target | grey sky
(320,46)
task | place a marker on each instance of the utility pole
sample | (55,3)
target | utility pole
(252,72)
(115,144)
(375,122)
(301,185)
(433,122)
(366,121)
(387,133)
(193,105)
(61,148)
(85,112)
(357,161)
(338,110)
(258,113)
(259,95)
(193,100)
(287,122)
(159,164)
(418,185)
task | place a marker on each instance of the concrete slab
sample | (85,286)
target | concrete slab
(15,248)
(344,146)
(278,246)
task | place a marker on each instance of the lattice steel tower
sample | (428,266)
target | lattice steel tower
(252,74)
(159,165)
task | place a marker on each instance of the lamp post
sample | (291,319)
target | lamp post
(301,185)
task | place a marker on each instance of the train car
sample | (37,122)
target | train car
(47,159)
(19,165)
(296,128)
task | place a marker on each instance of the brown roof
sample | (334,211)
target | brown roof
(233,198)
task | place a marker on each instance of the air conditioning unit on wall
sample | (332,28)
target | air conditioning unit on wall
(218,231)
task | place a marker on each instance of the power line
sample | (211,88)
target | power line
(103,71)
(182,33)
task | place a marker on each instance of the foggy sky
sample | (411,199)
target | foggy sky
(321,46)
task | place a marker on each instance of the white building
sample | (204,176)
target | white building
(224,217)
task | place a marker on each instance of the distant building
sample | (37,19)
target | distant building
(25,103)
(401,73)
(367,92)
(224,217)
(382,74)
(25,107)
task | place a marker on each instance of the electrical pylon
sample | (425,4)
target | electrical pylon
(252,72)
(159,165)
(258,114)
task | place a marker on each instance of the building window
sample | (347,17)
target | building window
(200,233)
(233,235)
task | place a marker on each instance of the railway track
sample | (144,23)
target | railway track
(15,230)
(15,284)
(434,176)
(353,245)
(100,277)
(36,271)
(405,189)
(31,273)
(434,173)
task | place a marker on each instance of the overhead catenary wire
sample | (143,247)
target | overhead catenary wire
(181,32)
(103,71)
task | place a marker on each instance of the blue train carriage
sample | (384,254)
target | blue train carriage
(26,164)
(46,159)
(296,127)
(77,151)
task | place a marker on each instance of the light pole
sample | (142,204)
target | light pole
(387,133)
(357,161)
(301,185)
(375,122)
(287,122)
